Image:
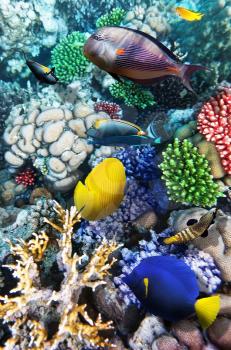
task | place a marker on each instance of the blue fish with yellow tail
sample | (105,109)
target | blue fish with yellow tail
(115,132)
(42,73)
(168,288)
(135,55)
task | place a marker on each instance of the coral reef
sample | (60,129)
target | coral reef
(112,109)
(217,241)
(113,18)
(54,140)
(68,59)
(214,122)
(187,175)
(140,163)
(27,313)
(132,94)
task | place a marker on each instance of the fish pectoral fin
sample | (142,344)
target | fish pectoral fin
(146,282)
(115,76)
(207,310)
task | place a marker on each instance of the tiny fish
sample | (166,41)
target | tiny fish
(42,73)
(168,288)
(117,132)
(189,15)
(103,190)
(193,231)
(137,56)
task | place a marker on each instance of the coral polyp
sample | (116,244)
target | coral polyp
(187,175)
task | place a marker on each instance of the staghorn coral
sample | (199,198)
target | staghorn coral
(214,121)
(26,312)
(187,175)
(113,18)
(68,58)
(132,94)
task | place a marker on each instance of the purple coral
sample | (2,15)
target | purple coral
(139,162)
(201,263)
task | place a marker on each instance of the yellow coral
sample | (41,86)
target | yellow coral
(75,326)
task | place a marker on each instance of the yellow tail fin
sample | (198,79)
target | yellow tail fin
(207,310)
(171,240)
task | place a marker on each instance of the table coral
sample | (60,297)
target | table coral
(132,94)
(188,176)
(68,59)
(54,140)
(26,312)
(113,18)
(214,121)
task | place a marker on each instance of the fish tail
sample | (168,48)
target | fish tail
(181,237)
(207,310)
(186,71)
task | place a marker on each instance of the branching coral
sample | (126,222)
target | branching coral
(68,59)
(113,18)
(214,121)
(26,311)
(188,176)
(132,94)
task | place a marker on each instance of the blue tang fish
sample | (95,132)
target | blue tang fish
(168,288)
(108,132)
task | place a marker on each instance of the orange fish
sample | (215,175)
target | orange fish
(137,56)
(189,15)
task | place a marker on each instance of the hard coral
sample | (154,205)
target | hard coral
(214,121)
(26,312)
(68,58)
(113,18)
(111,108)
(132,94)
(26,177)
(188,176)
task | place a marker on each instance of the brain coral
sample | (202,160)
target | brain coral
(54,139)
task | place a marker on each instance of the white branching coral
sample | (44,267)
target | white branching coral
(25,310)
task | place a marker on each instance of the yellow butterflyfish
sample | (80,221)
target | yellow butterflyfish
(103,190)
(189,15)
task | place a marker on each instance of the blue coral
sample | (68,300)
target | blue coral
(201,263)
(139,162)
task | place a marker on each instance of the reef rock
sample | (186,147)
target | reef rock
(188,335)
(53,139)
(217,242)
(220,333)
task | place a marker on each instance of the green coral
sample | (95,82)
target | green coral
(132,94)
(113,18)
(68,59)
(188,176)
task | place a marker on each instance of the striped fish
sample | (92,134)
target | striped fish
(135,55)
(193,231)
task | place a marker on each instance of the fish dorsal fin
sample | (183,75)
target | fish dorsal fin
(156,42)
(129,123)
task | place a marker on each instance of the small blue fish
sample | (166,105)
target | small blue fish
(117,132)
(168,288)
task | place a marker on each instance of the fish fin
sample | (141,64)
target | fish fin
(115,76)
(186,72)
(207,310)
(146,283)
(170,240)
(156,42)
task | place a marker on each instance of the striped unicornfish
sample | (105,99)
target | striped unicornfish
(193,231)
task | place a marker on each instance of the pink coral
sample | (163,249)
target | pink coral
(214,121)
(111,108)
(26,177)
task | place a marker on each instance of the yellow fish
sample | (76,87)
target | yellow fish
(103,190)
(189,15)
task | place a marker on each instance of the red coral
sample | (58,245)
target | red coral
(26,178)
(112,109)
(214,121)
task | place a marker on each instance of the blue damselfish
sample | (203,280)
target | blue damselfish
(168,288)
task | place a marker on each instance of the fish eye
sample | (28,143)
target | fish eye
(97,37)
